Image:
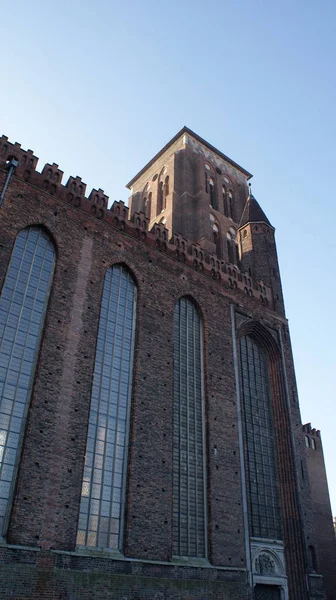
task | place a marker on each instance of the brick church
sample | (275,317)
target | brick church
(151,445)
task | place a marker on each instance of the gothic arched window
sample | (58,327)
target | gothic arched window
(232,247)
(163,191)
(230,204)
(212,193)
(210,186)
(189,478)
(104,479)
(160,199)
(207,175)
(144,198)
(225,201)
(148,206)
(264,510)
(23,305)
(216,239)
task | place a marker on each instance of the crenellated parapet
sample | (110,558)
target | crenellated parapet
(98,198)
(76,187)
(49,180)
(308,429)
(27,161)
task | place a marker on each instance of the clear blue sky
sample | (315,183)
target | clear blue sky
(99,87)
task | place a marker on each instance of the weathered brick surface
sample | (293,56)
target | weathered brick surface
(89,239)
(28,575)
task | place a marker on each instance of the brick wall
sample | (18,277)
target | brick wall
(89,239)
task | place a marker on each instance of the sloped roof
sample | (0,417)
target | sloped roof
(253,213)
(198,139)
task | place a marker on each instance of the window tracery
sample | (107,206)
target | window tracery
(189,480)
(23,305)
(259,448)
(101,514)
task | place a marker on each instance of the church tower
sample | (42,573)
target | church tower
(199,193)
(196,192)
(258,249)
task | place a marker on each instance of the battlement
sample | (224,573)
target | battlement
(95,205)
(307,428)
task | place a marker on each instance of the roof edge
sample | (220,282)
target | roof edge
(198,138)
(260,221)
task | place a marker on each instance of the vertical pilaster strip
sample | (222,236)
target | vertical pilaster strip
(241,447)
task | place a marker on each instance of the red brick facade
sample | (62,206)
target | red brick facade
(170,259)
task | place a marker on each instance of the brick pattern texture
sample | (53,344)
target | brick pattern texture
(38,560)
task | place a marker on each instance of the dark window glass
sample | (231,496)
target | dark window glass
(216,240)
(225,201)
(260,462)
(160,202)
(22,309)
(236,254)
(230,207)
(189,513)
(230,251)
(104,478)
(212,192)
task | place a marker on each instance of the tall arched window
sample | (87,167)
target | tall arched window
(163,191)
(160,200)
(189,502)
(225,201)
(23,306)
(259,447)
(212,193)
(232,247)
(230,204)
(216,239)
(210,187)
(148,206)
(104,478)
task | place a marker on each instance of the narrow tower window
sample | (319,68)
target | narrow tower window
(225,201)
(189,507)
(104,479)
(259,448)
(23,305)
(144,198)
(212,193)
(216,239)
(160,198)
(163,191)
(230,208)
(148,206)
(232,247)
